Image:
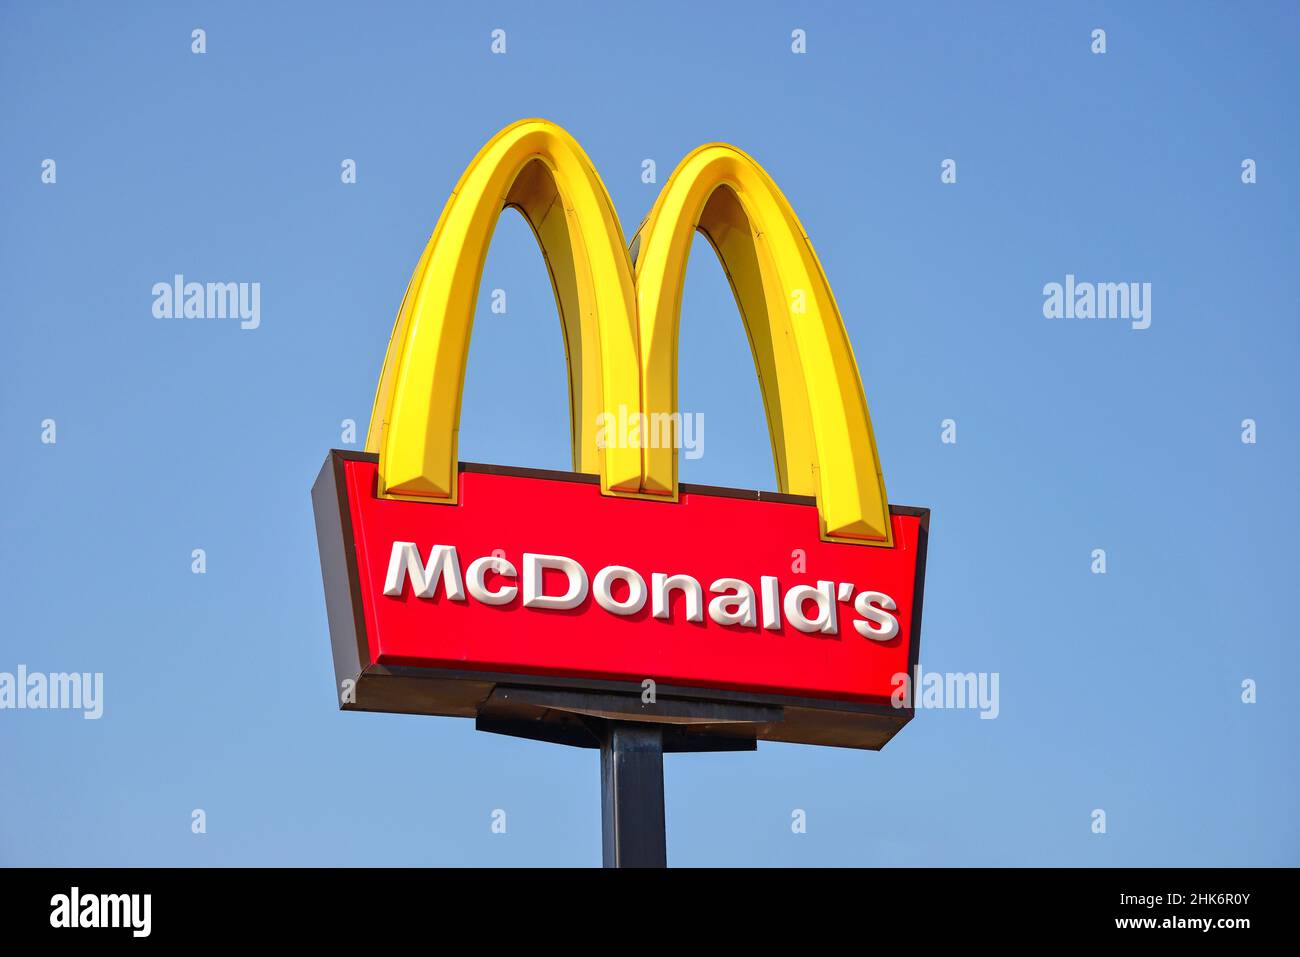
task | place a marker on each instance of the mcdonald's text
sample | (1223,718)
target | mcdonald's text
(619,590)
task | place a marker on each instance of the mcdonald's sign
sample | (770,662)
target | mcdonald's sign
(498,593)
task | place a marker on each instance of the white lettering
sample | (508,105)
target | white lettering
(535,565)
(475,577)
(602,589)
(443,563)
(865,604)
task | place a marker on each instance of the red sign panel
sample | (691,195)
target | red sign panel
(537,575)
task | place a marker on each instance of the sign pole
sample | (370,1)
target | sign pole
(632,795)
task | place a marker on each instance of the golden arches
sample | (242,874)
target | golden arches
(621,327)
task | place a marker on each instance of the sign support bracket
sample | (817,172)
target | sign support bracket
(632,734)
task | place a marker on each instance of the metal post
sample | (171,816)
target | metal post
(632,795)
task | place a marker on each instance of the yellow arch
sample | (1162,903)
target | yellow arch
(621,327)
(822,441)
(540,170)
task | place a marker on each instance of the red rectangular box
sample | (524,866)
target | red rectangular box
(451,654)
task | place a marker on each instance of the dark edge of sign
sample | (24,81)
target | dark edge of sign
(443,692)
(339,572)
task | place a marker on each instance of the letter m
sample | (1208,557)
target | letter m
(223,300)
(116,910)
(1114,295)
(443,564)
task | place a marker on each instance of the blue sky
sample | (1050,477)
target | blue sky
(1119,691)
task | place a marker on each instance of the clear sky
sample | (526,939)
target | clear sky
(1120,692)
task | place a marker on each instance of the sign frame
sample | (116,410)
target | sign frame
(556,708)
